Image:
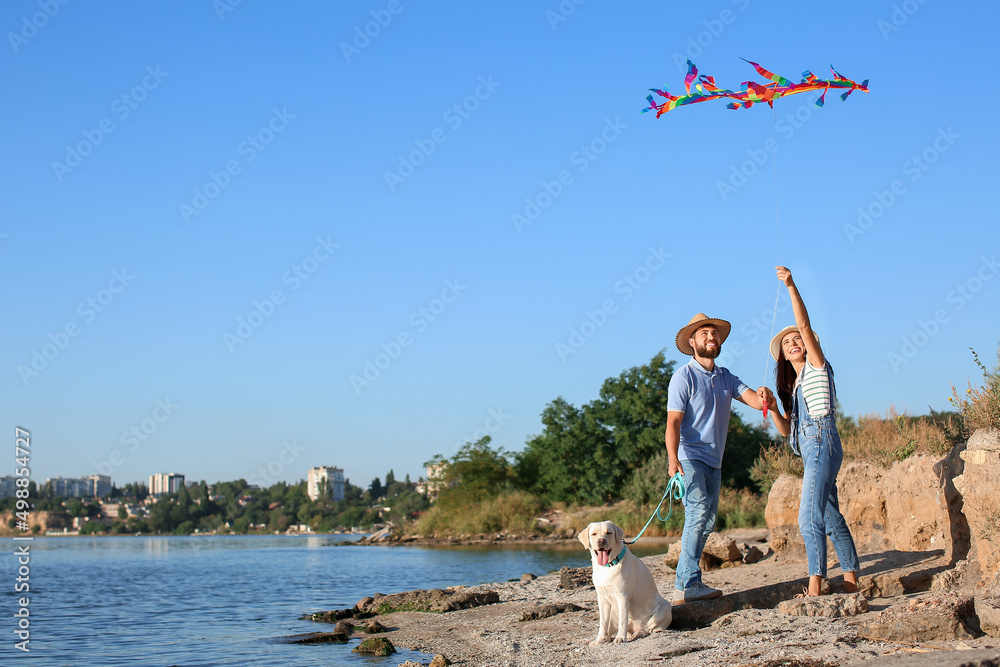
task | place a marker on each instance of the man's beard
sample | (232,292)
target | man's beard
(707,354)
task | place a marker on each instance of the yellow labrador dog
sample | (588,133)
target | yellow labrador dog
(627,599)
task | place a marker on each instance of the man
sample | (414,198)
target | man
(698,403)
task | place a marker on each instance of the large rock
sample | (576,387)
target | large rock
(752,555)
(945,616)
(981,495)
(722,548)
(548,610)
(437,599)
(572,578)
(829,606)
(377,646)
(673,555)
(988,611)
(904,508)
(962,576)
(782,516)
(316,638)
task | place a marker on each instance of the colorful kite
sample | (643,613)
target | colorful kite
(752,92)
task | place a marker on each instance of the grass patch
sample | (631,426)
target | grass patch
(632,518)
(514,512)
(740,508)
(883,441)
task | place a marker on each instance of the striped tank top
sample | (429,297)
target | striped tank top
(815,383)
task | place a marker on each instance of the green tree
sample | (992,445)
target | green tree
(92,527)
(75,507)
(561,464)
(587,454)
(476,472)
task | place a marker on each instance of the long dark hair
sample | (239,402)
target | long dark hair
(784,379)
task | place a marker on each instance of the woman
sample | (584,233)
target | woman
(808,396)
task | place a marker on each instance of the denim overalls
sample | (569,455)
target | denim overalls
(817,441)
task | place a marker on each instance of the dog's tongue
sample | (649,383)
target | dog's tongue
(603,557)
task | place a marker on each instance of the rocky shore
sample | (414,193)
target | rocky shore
(549,620)
(929,593)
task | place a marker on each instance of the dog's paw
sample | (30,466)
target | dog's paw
(596,642)
(621,639)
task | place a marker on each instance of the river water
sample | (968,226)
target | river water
(223,600)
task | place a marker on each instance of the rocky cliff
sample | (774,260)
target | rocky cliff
(918,504)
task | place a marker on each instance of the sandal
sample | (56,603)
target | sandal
(803,594)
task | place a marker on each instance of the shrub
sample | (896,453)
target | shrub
(740,508)
(646,484)
(773,462)
(980,407)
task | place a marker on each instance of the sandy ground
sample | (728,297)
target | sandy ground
(495,635)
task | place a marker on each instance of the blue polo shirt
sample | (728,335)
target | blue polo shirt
(705,399)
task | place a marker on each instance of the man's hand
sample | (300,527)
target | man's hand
(675,467)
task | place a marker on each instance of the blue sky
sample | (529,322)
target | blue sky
(219,216)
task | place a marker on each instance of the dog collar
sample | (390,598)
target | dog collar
(618,558)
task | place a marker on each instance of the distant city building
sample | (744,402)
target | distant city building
(8,486)
(165,482)
(102,485)
(327,477)
(92,486)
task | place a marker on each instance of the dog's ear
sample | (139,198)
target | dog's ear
(584,537)
(619,533)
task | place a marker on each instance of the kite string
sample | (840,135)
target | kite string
(777,225)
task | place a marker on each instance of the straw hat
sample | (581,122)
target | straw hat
(700,320)
(776,341)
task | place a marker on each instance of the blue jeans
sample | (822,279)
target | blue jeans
(819,510)
(701,504)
